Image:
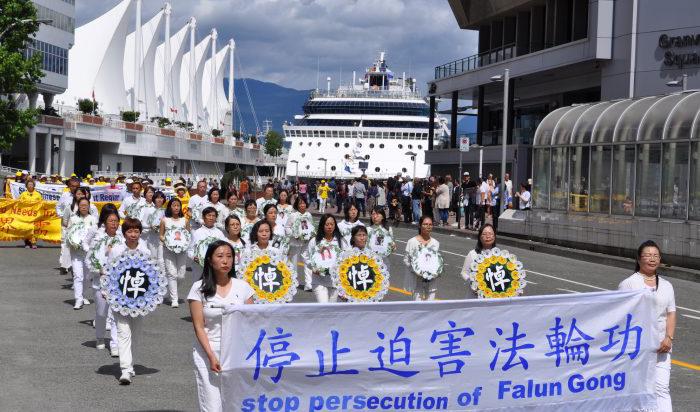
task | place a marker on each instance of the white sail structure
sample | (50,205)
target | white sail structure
(151,33)
(168,81)
(98,60)
(192,100)
(214,97)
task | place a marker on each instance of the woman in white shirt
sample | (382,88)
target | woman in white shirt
(79,225)
(206,233)
(214,200)
(486,240)
(233,235)
(250,219)
(421,288)
(232,204)
(321,254)
(352,216)
(300,229)
(174,228)
(381,236)
(150,219)
(261,238)
(525,197)
(280,240)
(284,209)
(646,276)
(217,287)
(442,201)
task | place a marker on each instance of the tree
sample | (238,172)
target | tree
(87,106)
(18,73)
(130,116)
(273,143)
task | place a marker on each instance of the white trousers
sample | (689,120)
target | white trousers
(322,205)
(175,266)
(424,290)
(81,273)
(64,260)
(128,331)
(208,382)
(324,290)
(663,377)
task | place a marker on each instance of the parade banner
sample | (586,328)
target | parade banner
(99,193)
(29,220)
(589,351)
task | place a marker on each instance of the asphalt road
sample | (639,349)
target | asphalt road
(49,360)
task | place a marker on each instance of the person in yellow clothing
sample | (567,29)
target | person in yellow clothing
(322,191)
(30,195)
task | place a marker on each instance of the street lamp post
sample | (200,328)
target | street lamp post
(505,78)
(325,163)
(414,155)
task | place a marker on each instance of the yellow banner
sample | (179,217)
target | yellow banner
(21,220)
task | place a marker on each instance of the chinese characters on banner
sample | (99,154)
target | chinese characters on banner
(594,351)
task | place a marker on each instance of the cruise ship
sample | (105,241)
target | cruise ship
(377,126)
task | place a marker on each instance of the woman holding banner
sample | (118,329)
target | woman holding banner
(78,227)
(30,195)
(646,276)
(217,288)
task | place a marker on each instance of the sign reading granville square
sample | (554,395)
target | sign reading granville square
(680,58)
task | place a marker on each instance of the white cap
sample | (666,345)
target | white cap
(466,174)
(128,181)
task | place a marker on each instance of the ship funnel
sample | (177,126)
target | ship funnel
(381,57)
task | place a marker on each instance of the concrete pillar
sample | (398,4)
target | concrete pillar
(31,161)
(47,153)
(453,119)
(62,154)
(48,100)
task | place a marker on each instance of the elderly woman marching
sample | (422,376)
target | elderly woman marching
(175,239)
(300,228)
(486,240)
(424,262)
(380,237)
(79,225)
(646,276)
(204,235)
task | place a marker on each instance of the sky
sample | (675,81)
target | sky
(283,41)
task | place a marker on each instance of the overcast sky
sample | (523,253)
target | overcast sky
(281,40)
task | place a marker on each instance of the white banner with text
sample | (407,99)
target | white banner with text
(592,351)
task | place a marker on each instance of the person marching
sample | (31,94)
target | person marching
(380,236)
(217,288)
(174,247)
(261,238)
(208,230)
(250,218)
(148,209)
(486,240)
(30,195)
(421,288)
(131,205)
(100,242)
(327,237)
(300,229)
(265,200)
(233,236)
(280,240)
(284,209)
(214,200)
(646,276)
(233,209)
(128,328)
(63,209)
(78,226)
(196,205)
(352,219)
(323,191)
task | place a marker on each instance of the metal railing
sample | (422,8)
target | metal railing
(476,61)
(350,93)
(522,136)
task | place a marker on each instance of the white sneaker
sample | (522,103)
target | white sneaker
(174,304)
(78,304)
(100,344)
(114,352)
(93,323)
(108,326)
(125,379)
(86,302)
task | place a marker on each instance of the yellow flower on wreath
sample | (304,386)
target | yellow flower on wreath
(357,294)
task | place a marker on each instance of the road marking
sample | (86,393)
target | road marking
(401,291)
(563,279)
(686,365)
(690,316)
(563,290)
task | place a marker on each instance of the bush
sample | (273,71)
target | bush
(87,106)
(185,125)
(216,132)
(162,121)
(130,116)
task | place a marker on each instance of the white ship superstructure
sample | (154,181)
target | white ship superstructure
(377,126)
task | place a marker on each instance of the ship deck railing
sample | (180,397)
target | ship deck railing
(370,94)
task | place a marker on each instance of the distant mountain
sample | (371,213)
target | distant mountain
(271,102)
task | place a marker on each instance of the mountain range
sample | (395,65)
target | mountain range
(279,104)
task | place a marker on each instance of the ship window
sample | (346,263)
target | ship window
(307,167)
(405,135)
(359,145)
(333,168)
(376,169)
(410,146)
(303,155)
(301,143)
(420,147)
(400,146)
(393,135)
(371,145)
(366,157)
(315,133)
(335,133)
(347,144)
(412,135)
(381,145)
(337,144)
(318,144)
(403,170)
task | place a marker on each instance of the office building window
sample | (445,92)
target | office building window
(54,58)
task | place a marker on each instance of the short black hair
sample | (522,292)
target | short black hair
(256,227)
(131,223)
(357,229)
(347,212)
(209,209)
(212,190)
(298,200)
(168,210)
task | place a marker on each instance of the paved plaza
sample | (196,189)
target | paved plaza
(49,360)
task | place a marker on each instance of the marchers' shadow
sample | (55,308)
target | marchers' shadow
(67,286)
(187,319)
(87,322)
(89,344)
(114,370)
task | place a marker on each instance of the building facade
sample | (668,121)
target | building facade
(563,54)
